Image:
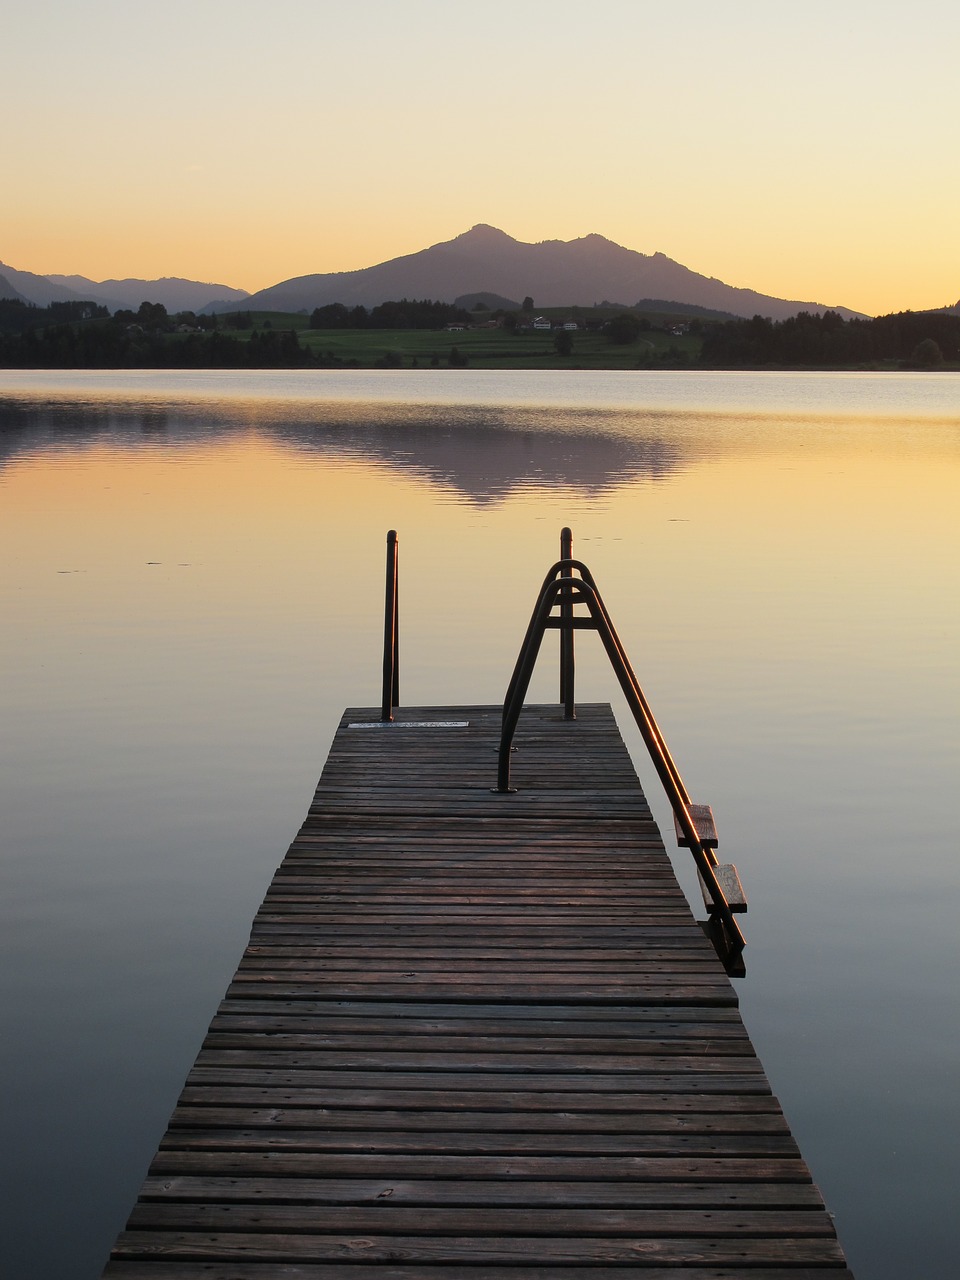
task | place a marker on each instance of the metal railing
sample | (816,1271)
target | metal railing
(563,590)
(567,663)
(391,631)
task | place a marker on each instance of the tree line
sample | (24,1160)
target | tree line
(16,316)
(78,335)
(75,335)
(405,314)
(917,339)
(110,346)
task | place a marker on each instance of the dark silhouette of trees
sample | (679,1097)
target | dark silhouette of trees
(333,316)
(828,341)
(73,312)
(403,314)
(563,342)
(623,328)
(927,355)
(115,344)
(78,335)
(16,316)
(153,315)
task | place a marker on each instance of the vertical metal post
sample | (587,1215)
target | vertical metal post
(566,632)
(391,632)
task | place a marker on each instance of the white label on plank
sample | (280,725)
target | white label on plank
(410,724)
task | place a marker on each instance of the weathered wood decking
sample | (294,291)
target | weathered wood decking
(477,1035)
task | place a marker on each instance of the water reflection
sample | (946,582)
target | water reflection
(483,453)
(781,580)
(31,429)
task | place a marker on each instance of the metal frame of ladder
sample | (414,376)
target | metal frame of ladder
(568,584)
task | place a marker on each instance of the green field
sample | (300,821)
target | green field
(482,348)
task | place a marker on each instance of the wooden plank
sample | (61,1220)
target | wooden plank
(729,881)
(304,1033)
(703,823)
(495,1250)
(204,1153)
(477,1037)
(435,1193)
(239,1108)
(389,1218)
(159,1269)
(306,1131)
(322,1089)
(627,1019)
(521,991)
(298,1051)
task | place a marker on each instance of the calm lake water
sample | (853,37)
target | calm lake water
(192,588)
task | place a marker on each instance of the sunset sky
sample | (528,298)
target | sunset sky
(809,152)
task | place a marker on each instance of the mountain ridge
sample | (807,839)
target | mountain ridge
(175,292)
(555,273)
(483,261)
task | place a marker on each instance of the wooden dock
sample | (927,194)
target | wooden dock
(477,1035)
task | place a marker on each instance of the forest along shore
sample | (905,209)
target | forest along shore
(404,334)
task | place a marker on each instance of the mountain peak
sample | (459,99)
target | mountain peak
(483,233)
(558,273)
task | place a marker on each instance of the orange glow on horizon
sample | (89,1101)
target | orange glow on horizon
(756,144)
(251,259)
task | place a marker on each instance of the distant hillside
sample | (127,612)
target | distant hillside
(175,293)
(38,289)
(9,292)
(492,302)
(662,306)
(555,273)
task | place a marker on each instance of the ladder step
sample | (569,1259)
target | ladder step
(729,882)
(702,816)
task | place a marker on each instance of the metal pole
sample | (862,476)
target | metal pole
(566,632)
(391,639)
(396,622)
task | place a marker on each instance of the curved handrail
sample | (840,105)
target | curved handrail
(554,573)
(560,585)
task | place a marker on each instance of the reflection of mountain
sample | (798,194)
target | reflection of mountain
(28,427)
(487,454)
(483,452)
(38,430)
